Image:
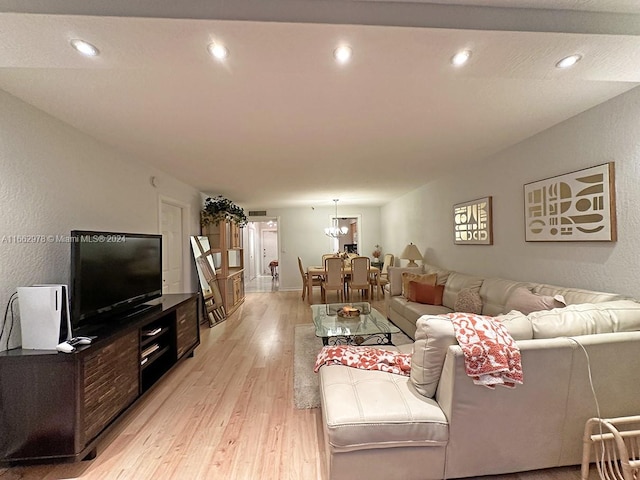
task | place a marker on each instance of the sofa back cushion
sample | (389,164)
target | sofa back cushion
(441,274)
(395,278)
(586,319)
(525,301)
(577,295)
(457,282)
(494,293)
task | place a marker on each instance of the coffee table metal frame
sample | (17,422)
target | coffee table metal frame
(336,330)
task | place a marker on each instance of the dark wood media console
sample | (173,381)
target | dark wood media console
(57,406)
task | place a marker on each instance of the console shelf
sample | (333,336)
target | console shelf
(58,406)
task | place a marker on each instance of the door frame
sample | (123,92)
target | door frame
(186,252)
(334,242)
(263,267)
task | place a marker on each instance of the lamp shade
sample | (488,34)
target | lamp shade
(411,253)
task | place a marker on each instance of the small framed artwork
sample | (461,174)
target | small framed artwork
(575,207)
(472,222)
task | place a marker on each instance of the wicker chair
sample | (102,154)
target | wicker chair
(615,443)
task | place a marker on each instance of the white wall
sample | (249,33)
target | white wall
(302,235)
(608,132)
(55,179)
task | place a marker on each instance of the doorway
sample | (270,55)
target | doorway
(269,252)
(171,228)
(352,241)
(262,272)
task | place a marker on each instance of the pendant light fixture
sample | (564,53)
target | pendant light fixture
(335,230)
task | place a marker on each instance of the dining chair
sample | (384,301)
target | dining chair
(305,278)
(360,277)
(327,255)
(379,281)
(333,279)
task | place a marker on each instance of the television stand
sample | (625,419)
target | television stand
(58,406)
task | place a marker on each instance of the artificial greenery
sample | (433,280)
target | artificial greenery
(220,208)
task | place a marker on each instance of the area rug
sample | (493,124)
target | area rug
(306,391)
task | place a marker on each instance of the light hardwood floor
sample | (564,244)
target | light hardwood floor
(227,413)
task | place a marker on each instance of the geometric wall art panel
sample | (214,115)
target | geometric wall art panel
(574,207)
(472,222)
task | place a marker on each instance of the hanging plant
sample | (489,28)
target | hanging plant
(219,209)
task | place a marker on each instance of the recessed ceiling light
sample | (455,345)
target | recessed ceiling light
(218,51)
(461,58)
(342,54)
(569,61)
(85,48)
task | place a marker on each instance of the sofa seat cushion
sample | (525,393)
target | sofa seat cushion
(412,311)
(366,409)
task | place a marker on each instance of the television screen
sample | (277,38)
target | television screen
(112,273)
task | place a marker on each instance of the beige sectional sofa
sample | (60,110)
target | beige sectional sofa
(438,424)
(494,293)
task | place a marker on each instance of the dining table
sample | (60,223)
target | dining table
(319,271)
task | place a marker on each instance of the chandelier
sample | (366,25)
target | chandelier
(335,230)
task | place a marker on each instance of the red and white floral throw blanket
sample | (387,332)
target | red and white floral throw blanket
(364,358)
(490,353)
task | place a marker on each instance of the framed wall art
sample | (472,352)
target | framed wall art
(472,222)
(575,207)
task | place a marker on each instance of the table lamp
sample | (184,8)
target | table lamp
(412,254)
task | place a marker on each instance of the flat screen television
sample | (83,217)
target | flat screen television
(113,274)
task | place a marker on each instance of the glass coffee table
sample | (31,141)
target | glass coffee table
(369,325)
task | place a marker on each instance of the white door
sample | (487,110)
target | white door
(252,250)
(269,249)
(171,229)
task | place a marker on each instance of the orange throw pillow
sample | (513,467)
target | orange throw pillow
(407,277)
(424,293)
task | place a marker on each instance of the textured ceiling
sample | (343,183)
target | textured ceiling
(280,123)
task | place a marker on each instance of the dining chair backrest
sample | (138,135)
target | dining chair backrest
(388,262)
(360,270)
(335,272)
(302,274)
(327,255)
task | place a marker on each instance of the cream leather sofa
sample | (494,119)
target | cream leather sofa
(437,424)
(494,293)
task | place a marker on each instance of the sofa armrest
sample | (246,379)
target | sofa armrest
(528,419)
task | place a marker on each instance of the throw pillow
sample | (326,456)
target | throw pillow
(424,293)
(522,300)
(468,301)
(407,277)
